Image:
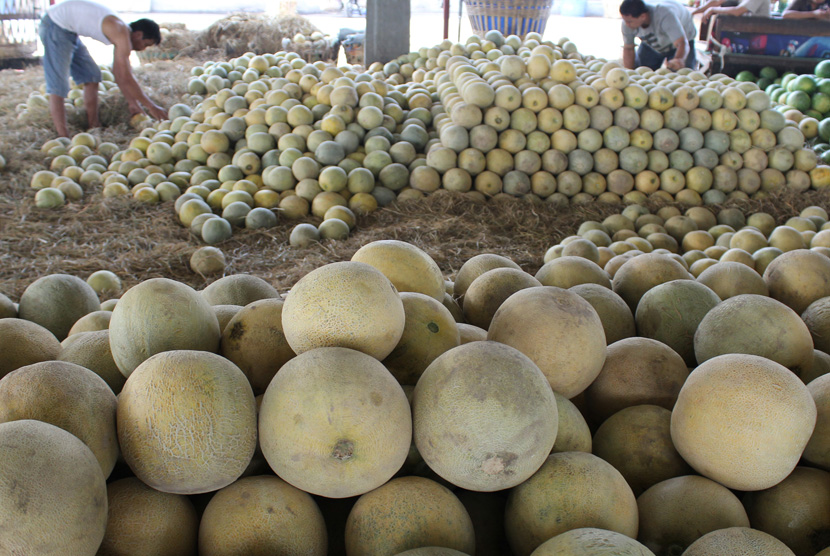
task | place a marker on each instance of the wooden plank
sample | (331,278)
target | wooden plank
(777,26)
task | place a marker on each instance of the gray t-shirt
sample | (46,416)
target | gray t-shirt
(757,8)
(670,21)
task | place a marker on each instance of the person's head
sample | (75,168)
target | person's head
(143,33)
(634,13)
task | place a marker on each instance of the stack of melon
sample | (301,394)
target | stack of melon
(36,107)
(494,117)
(379,407)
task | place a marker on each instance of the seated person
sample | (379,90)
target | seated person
(759,8)
(666,32)
(807,9)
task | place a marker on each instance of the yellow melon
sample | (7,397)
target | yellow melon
(489,290)
(571,490)
(558,330)
(617,319)
(738,541)
(145,522)
(224,314)
(67,396)
(92,351)
(743,421)
(429,331)
(407,513)
(54,498)
(238,289)
(470,333)
(797,278)
(347,304)
(637,441)
(817,451)
(335,422)
(636,371)
(676,512)
(255,342)
(475,267)
(262,515)
(817,318)
(569,270)
(757,325)
(7,308)
(729,278)
(91,322)
(591,541)
(484,416)
(641,273)
(573,434)
(23,342)
(56,301)
(187,422)
(160,315)
(796,511)
(408,267)
(208,260)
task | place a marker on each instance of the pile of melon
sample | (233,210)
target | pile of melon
(496,117)
(381,406)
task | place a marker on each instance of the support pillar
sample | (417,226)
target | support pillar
(387,30)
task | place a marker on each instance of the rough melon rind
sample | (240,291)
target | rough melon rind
(24,342)
(56,301)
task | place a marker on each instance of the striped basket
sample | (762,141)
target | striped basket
(511,17)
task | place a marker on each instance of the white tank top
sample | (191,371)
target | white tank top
(82,17)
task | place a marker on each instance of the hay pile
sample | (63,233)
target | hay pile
(243,32)
(175,37)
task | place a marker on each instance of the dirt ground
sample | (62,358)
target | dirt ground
(139,242)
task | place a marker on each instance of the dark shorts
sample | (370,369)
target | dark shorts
(63,55)
(647,56)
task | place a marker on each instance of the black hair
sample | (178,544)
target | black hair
(633,8)
(150,29)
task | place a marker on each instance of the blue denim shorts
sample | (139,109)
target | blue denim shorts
(63,55)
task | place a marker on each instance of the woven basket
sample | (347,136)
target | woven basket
(511,17)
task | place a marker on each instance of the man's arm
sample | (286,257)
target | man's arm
(814,14)
(706,5)
(119,34)
(733,10)
(681,46)
(628,56)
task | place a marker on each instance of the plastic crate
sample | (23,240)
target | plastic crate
(510,17)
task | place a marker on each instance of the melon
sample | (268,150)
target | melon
(54,496)
(104,282)
(573,433)
(470,333)
(7,308)
(476,266)
(408,267)
(569,270)
(335,422)
(238,289)
(91,322)
(558,330)
(406,513)
(743,421)
(429,331)
(187,422)
(817,451)
(224,314)
(797,278)
(145,522)
(728,279)
(56,301)
(23,342)
(676,512)
(347,304)
(489,290)
(160,315)
(91,350)
(571,490)
(757,325)
(617,319)
(207,260)
(637,441)
(817,318)
(68,396)
(484,416)
(670,313)
(796,511)
(639,274)
(636,371)
(591,541)
(738,541)
(254,341)
(262,515)
(431,551)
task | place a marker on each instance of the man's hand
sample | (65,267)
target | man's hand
(157,112)
(674,64)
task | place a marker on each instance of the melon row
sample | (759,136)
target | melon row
(365,396)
